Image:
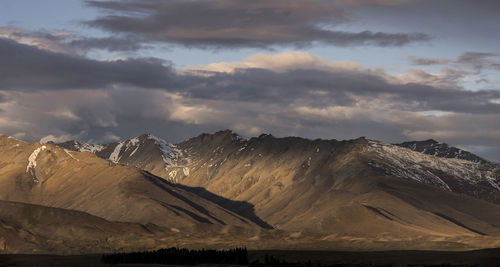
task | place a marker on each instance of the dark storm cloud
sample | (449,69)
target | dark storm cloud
(27,67)
(239,23)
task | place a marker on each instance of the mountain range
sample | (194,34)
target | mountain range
(220,189)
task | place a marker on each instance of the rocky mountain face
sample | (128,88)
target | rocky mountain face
(342,187)
(463,171)
(328,186)
(146,152)
(442,150)
(49,175)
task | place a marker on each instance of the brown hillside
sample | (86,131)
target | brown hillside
(82,181)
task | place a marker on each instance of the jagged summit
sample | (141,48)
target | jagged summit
(145,151)
(443,150)
(222,136)
(80,146)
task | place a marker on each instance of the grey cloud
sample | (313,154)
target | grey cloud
(475,56)
(480,60)
(467,65)
(109,43)
(447,78)
(72,43)
(476,60)
(75,112)
(300,86)
(18,33)
(41,39)
(372,2)
(424,61)
(239,23)
(482,80)
(27,67)
(472,23)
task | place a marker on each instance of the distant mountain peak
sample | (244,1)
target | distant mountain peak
(80,146)
(265,135)
(442,150)
(229,134)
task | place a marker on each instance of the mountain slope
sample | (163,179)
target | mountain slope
(26,228)
(341,187)
(335,189)
(442,150)
(461,176)
(52,176)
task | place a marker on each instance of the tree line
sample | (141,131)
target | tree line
(180,257)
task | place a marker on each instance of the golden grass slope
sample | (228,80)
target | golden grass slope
(333,188)
(84,182)
(26,228)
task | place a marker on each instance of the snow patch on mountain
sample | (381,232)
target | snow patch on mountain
(133,142)
(170,153)
(429,169)
(69,153)
(30,168)
(135,150)
(86,147)
(185,170)
(442,150)
(144,151)
(115,155)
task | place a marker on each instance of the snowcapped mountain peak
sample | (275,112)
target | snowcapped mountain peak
(443,150)
(169,151)
(158,140)
(145,151)
(450,174)
(81,146)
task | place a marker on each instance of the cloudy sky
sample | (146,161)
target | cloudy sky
(392,70)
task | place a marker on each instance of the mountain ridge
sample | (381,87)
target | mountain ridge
(443,150)
(187,152)
(288,189)
(429,146)
(250,170)
(50,175)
